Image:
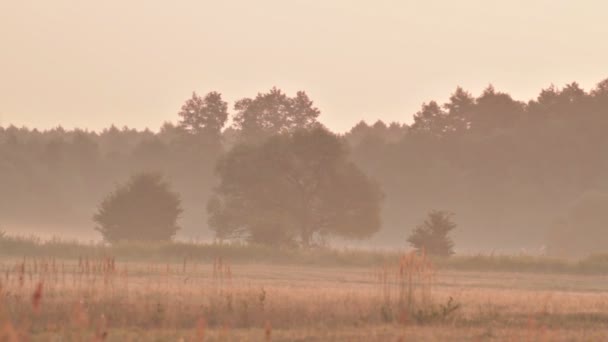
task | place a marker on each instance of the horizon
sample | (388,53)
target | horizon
(370,121)
(381,170)
(84,65)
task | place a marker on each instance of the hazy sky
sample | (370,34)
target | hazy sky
(92,63)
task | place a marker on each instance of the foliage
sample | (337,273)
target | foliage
(292,188)
(432,235)
(142,209)
(274,113)
(507,167)
(206,115)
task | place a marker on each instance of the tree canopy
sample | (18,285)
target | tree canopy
(274,113)
(506,167)
(432,235)
(206,115)
(142,209)
(293,188)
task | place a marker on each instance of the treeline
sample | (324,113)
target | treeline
(507,169)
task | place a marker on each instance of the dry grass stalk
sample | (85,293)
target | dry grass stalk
(268,331)
(37,297)
(160,298)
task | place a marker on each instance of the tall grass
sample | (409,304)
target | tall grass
(98,299)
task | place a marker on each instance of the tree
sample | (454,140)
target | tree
(431,119)
(432,235)
(206,115)
(495,111)
(142,209)
(293,189)
(581,230)
(459,111)
(274,113)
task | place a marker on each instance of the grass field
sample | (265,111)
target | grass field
(100,299)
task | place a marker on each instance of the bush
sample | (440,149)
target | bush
(432,235)
(144,209)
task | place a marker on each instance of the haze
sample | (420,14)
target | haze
(91,64)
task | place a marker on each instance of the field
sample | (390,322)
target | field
(409,299)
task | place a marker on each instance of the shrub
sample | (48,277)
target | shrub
(432,235)
(142,209)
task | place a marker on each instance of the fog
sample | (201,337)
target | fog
(444,106)
(516,175)
(89,64)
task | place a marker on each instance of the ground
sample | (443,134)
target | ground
(103,299)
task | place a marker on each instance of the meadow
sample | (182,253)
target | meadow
(404,297)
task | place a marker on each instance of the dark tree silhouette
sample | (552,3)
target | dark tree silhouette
(431,119)
(495,111)
(206,115)
(293,188)
(507,167)
(458,112)
(142,209)
(274,113)
(432,235)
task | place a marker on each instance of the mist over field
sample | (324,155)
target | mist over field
(515,173)
(303,170)
(511,144)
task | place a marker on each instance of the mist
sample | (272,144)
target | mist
(510,170)
(303,170)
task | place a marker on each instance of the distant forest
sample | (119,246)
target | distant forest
(508,170)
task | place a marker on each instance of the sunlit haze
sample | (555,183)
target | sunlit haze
(90,64)
(303,170)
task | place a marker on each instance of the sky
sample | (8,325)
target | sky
(90,64)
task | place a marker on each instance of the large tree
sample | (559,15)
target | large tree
(431,119)
(204,115)
(142,209)
(293,188)
(274,113)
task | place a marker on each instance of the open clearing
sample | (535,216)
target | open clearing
(100,299)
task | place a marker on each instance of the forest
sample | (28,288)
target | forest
(517,175)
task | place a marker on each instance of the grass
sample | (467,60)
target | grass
(18,247)
(101,299)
